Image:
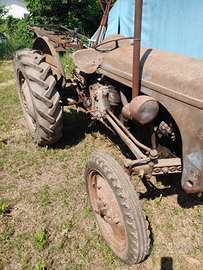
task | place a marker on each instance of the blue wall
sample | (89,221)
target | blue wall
(169,25)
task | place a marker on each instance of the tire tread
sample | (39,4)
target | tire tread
(44,95)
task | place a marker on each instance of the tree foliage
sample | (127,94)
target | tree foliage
(3,12)
(82,14)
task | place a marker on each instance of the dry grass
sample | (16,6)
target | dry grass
(45,217)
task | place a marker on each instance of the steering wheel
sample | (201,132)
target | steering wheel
(116,40)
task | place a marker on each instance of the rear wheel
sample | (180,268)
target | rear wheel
(38,96)
(116,208)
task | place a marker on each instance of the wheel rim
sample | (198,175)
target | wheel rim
(26,101)
(107,210)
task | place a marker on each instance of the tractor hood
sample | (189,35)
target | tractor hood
(181,75)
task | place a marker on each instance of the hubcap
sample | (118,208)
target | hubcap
(107,210)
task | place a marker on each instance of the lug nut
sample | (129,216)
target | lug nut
(98,201)
(116,220)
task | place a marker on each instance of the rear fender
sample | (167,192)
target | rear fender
(52,58)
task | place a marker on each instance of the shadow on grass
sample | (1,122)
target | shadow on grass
(77,124)
(185,200)
(166,263)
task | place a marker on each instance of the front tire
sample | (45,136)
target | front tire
(38,96)
(116,208)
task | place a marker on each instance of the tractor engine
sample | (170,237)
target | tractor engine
(102,98)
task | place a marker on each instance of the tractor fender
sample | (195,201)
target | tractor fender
(52,58)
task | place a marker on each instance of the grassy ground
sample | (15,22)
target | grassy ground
(45,218)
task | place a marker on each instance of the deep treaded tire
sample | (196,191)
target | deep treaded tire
(38,96)
(116,208)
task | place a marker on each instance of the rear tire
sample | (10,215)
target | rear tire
(38,96)
(116,208)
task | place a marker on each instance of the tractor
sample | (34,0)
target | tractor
(151,99)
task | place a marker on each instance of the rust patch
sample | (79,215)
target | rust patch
(192,178)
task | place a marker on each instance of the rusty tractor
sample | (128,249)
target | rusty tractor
(160,122)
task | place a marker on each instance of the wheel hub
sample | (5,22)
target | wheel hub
(107,210)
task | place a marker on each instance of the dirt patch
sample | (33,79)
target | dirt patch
(8,66)
(9,83)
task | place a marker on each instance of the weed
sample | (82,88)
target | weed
(157,203)
(62,241)
(43,196)
(40,241)
(25,258)
(2,206)
(39,266)
(176,210)
(45,152)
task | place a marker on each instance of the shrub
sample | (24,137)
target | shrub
(18,36)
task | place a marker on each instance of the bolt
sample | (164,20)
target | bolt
(179,168)
(165,169)
(157,170)
(98,200)
(97,211)
(108,214)
(153,154)
(103,201)
(172,169)
(116,220)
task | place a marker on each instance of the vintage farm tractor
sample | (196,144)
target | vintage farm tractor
(152,99)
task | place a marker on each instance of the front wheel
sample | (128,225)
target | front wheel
(116,208)
(38,96)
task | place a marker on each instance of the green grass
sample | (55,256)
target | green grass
(2,206)
(45,217)
(67,63)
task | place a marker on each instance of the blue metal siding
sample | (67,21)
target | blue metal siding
(169,25)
